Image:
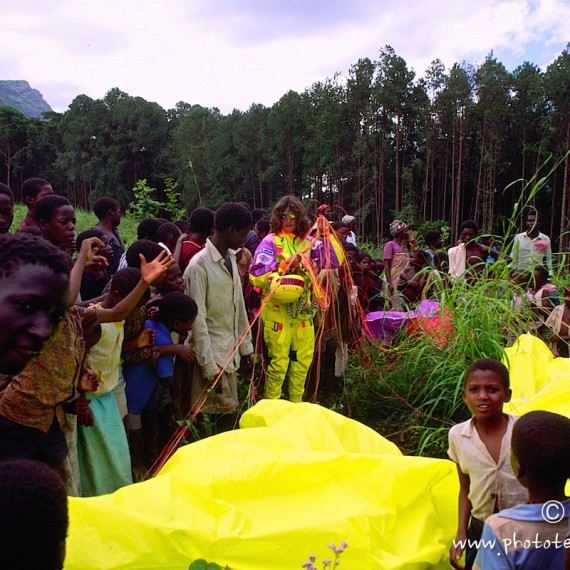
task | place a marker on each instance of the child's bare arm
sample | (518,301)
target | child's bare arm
(144,338)
(180,350)
(464,511)
(87,253)
(150,273)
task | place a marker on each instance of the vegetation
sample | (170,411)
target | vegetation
(444,146)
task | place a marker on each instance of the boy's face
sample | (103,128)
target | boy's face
(484,394)
(531,223)
(32,306)
(236,237)
(6,213)
(467,235)
(182,327)
(173,280)
(115,217)
(60,230)
(44,190)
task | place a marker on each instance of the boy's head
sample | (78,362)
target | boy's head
(177,312)
(33,189)
(468,231)
(262,228)
(183,226)
(540,449)
(107,208)
(122,283)
(150,249)
(168,234)
(56,218)
(34,281)
(233,220)
(341,229)
(532,221)
(433,239)
(486,387)
(147,228)
(106,251)
(33,503)
(202,221)
(6,208)
(172,280)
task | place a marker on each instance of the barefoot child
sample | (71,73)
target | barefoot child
(481,448)
(533,535)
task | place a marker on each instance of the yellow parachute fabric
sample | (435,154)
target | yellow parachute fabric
(294,479)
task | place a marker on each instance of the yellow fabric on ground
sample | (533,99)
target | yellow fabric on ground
(292,480)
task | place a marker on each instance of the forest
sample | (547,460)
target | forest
(468,142)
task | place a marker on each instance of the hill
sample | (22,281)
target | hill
(19,94)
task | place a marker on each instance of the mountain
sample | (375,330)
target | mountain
(20,95)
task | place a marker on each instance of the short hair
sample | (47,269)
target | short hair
(125,280)
(432,236)
(6,190)
(490,364)
(469,225)
(103,205)
(338,226)
(31,187)
(21,249)
(30,230)
(176,306)
(45,208)
(167,231)
(259,214)
(183,226)
(541,444)
(150,249)
(542,271)
(263,225)
(245,205)
(292,204)
(33,503)
(93,232)
(232,214)
(147,228)
(201,221)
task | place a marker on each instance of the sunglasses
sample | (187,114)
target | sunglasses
(288,216)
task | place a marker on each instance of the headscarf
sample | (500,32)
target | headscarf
(397,226)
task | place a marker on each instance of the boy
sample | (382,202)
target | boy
(6,208)
(55,217)
(108,210)
(533,535)
(146,390)
(531,247)
(32,190)
(469,256)
(34,282)
(220,334)
(201,227)
(481,449)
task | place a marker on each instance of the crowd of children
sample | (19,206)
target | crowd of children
(99,355)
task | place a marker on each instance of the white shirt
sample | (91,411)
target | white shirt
(218,333)
(527,253)
(489,482)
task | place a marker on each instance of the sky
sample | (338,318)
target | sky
(231,54)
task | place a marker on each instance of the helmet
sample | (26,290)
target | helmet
(286,288)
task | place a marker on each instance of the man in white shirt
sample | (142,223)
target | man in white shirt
(531,248)
(220,335)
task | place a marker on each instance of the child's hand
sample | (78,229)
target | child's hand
(90,247)
(455,553)
(152,312)
(145,338)
(186,353)
(84,413)
(156,268)
(89,381)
